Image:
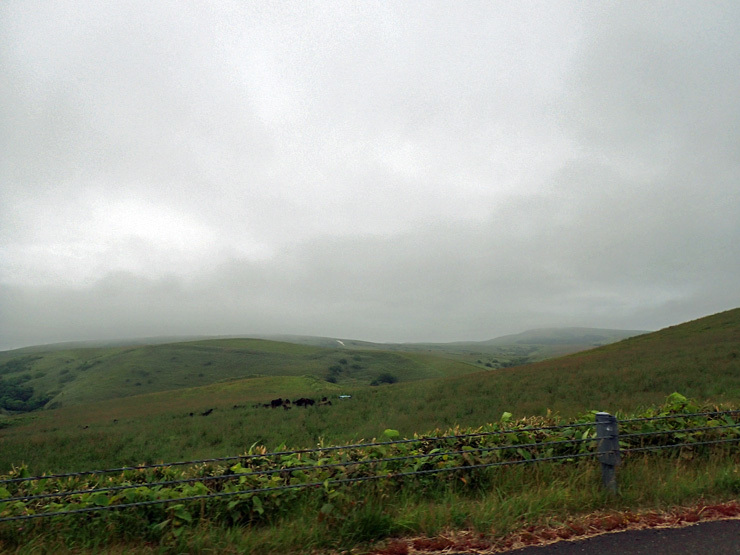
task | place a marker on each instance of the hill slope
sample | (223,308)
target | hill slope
(74,376)
(501,352)
(74,373)
(700,359)
(591,337)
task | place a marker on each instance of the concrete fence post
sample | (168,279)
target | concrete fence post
(607,433)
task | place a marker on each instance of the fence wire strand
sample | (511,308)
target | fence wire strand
(367,462)
(684,416)
(675,445)
(292,486)
(248,456)
(681,431)
(291,469)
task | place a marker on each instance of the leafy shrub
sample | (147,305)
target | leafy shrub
(18,365)
(66,378)
(385,377)
(13,390)
(334,372)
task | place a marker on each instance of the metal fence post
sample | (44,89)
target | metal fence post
(607,432)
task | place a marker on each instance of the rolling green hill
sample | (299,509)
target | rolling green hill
(71,373)
(700,359)
(501,352)
(83,375)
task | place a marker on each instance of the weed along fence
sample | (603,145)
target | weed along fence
(260,485)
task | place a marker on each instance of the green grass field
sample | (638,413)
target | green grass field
(699,359)
(107,420)
(487,504)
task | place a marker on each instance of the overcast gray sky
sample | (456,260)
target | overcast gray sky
(387,171)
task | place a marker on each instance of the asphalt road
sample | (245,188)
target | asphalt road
(718,537)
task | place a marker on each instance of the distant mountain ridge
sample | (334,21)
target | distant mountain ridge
(580,336)
(565,336)
(104,343)
(504,351)
(79,372)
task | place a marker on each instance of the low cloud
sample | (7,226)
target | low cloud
(366,171)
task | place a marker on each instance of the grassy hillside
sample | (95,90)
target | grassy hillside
(501,352)
(699,359)
(58,375)
(75,376)
(591,337)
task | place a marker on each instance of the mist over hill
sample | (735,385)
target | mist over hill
(594,337)
(578,337)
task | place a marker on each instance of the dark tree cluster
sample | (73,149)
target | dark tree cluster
(385,377)
(334,371)
(16,395)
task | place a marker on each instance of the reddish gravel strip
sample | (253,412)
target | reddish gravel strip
(574,529)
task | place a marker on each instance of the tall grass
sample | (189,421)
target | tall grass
(503,501)
(701,359)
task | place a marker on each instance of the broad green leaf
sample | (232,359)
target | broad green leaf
(162,525)
(676,400)
(100,499)
(182,513)
(257,504)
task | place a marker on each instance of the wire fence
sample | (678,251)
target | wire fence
(261,474)
(246,457)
